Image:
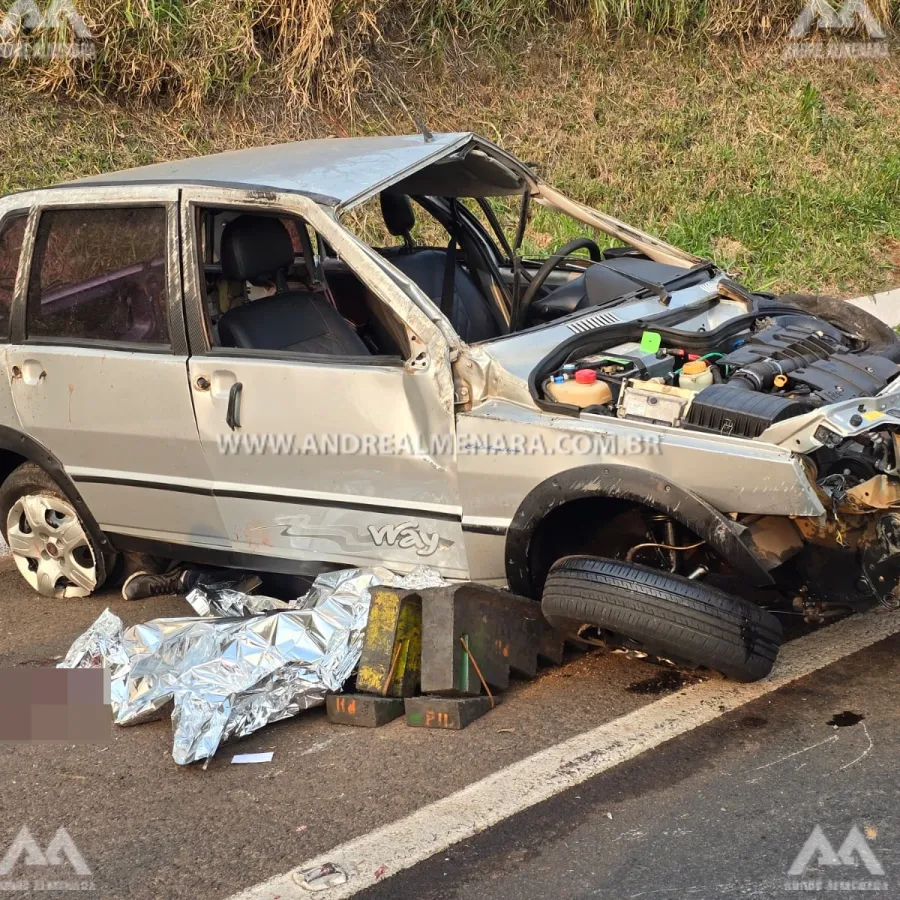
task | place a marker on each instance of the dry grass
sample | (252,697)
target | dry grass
(325,52)
(788,173)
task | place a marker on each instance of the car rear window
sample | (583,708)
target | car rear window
(100,275)
(12,232)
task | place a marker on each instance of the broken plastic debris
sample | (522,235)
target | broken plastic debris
(253,757)
(321,878)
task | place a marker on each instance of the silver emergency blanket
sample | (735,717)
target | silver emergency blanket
(226,676)
(231,598)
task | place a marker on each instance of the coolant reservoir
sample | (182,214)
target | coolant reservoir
(582,391)
(695,375)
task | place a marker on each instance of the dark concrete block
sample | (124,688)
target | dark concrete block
(362,710)
(503,632)
(451,713)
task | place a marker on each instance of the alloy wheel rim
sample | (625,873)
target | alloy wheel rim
(50,547)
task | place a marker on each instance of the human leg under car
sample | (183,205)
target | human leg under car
(144,576)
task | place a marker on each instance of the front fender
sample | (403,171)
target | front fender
(655,492)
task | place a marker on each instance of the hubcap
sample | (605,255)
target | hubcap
(50,547)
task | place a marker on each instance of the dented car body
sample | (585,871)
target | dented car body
(165,373)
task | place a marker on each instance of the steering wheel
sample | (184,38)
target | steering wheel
(554,262)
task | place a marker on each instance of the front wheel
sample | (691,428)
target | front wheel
(48,541)
(663,614)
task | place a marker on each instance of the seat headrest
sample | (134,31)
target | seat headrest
(254,246)
(397,211)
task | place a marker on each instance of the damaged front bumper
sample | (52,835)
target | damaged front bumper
(880,553)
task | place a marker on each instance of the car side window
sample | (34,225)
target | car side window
(266,292)
(100,275)
(12,233)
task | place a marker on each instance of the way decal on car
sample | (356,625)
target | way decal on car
(409,536)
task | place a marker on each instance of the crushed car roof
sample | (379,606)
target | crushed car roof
(334,171)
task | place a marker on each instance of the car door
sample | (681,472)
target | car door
(320,460)
(98,363)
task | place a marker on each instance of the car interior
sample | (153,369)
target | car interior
(272,285)
(442,272)
(269,287)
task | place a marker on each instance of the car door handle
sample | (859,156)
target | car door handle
(233,414)
(32,372)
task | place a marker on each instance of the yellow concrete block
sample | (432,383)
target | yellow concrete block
(391,662)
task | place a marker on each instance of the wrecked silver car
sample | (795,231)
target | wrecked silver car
(212,360)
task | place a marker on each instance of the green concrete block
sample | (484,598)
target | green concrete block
(453,713)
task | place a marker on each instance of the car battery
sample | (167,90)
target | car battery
(630,360)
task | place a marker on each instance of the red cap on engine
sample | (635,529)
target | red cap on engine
(586,376)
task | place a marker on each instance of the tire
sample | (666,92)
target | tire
(50,544)
(881,337)
(663,614)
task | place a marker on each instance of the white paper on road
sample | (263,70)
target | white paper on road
(253,757)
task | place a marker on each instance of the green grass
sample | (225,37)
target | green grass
(790,177)
(788,174)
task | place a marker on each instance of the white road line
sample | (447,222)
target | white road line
(432,829)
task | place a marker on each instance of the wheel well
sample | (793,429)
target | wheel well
(596,526)
(45,460)
(9,462)
(561,503)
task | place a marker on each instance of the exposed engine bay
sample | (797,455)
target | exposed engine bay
(774,364)
(778,367)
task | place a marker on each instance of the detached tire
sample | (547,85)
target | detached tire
(663,614)
(881,337)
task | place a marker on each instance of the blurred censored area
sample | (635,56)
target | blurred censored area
(69,706)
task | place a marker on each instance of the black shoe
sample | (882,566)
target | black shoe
(142,585)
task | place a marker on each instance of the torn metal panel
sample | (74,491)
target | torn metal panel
(774,539)
(483,377)
(628,234)
(813,430)
(880,492)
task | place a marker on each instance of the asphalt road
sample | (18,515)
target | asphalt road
(719,812)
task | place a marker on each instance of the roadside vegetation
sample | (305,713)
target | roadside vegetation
(678,116)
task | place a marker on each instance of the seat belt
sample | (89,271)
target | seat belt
(448,290)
